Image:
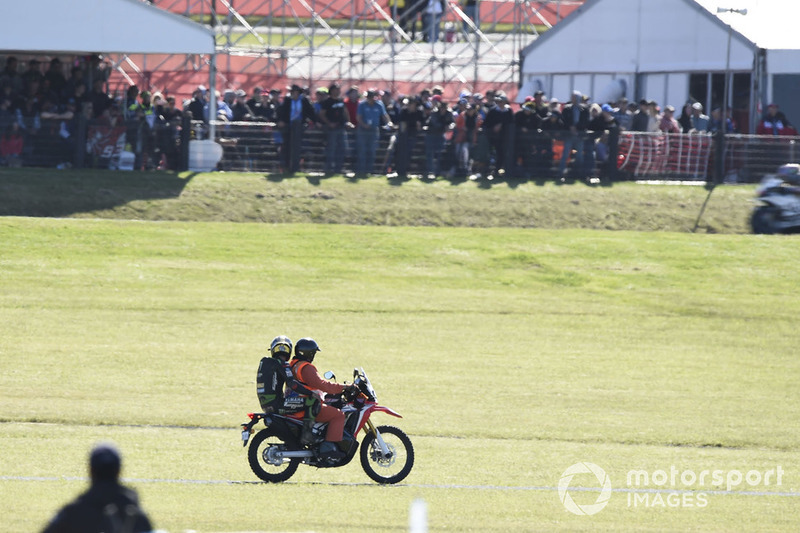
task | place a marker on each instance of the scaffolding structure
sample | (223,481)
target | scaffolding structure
(369,42)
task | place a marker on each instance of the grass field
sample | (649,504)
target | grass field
(513,353)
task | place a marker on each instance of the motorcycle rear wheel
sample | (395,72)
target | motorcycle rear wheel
(764,220)
(392,469)
(257,457)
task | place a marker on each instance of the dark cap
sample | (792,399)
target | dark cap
(105,462)
(538,93)
(295,87)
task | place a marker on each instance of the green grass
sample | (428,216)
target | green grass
(241,197)
(513,353)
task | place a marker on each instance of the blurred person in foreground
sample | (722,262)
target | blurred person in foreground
(107,506)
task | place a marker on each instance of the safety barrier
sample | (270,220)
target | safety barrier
(683,156)
(256,146)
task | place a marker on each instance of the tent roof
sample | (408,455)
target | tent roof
(770,24)
(102,26)
(638,36)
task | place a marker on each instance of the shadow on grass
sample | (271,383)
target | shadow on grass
(36,192)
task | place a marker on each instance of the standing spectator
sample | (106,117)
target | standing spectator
(351,101)
(197,104)
(413,10)
(293,115)
(431,20)
(653,117)
(370,113)
(170,120)
(499,128)
(255,102)
(11,76)
(11,145)
(55,76)
(7,115)
(624,114)
(397,9)
(143,116)
(131,98)
(668,124)
(642,117)
(224,111)
(391,105)
(576,120)
(320,96)
(552,129)
(29,118)
(272,105)
(775,123)
(389,135)
(542,138)
(685,120)
(229,97)
(605,129)
(335,119)
(241,111)
(439,121)
(107,505)
(527,123)
(75,78)
(700,121)
(410,124)
(715,122)
(33,74)
(96,69)
(465,137)
(99,98)
(472,11)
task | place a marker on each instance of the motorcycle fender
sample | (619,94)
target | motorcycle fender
(388,411)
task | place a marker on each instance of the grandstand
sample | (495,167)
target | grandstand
(273,43)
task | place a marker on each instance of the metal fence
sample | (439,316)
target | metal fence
(254,146)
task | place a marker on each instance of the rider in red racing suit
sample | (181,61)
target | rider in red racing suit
(306,373)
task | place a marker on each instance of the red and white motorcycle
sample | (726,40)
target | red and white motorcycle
(275,452)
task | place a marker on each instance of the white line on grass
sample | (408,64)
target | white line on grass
(499,488)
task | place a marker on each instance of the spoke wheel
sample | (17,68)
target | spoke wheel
(260,454)
(394,467)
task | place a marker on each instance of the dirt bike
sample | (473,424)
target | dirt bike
(275,453)
(778,196)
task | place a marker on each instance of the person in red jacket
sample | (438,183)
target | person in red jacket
(306,373)
(11,144)
(775,123)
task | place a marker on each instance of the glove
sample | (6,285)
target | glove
(350,392)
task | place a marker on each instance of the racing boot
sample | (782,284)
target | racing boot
(345,445)
(307,436)
(330,450)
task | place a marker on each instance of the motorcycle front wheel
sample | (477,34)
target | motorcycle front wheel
(263,464)
(764,220)
(394,467)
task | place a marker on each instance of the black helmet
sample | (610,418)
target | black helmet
(281,346)
(306,348)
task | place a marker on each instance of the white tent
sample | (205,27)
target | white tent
(110,26)
(655,49)
(103,26)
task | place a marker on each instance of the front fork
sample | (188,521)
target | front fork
(370,428)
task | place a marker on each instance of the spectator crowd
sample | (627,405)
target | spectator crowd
(472,134)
